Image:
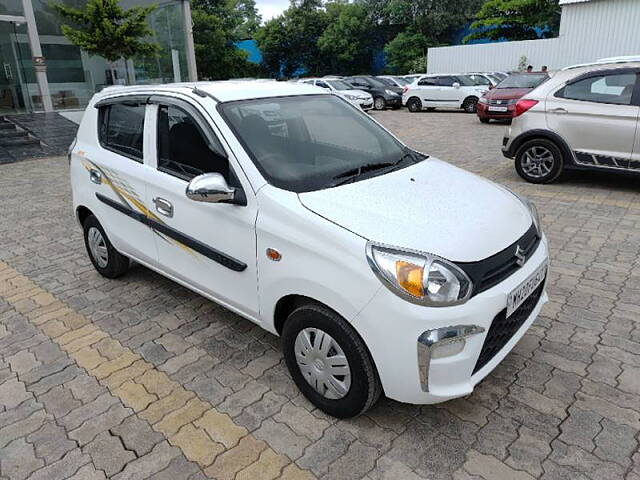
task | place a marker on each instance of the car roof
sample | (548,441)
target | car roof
(222,91)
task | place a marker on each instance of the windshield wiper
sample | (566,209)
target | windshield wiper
(352,174)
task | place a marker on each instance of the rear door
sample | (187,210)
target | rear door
(115,167)
(597,115)
(428,90)
(448,95)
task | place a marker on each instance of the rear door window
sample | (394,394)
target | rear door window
(122,129)
(614,88)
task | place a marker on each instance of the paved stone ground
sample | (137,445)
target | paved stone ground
(140,378)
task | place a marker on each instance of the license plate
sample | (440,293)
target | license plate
(526,288)
(497,109)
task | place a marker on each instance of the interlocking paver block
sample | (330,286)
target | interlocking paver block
(157,383)
(50,442)
(221,428)
(171,423)
(13,393)
(147,465)
(282,439)
(490,467)
(100,423)
(137,435)
(229,463)
(161,408)
(17,460)
(135,396)
(268,467)
(108,453)
(196,445)
(88,358)
(22,362)
(116,379)
(118,363)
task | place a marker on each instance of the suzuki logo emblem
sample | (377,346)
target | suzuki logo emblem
(520,257)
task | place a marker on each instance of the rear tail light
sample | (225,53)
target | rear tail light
(524,105)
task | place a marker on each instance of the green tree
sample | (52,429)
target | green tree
(406,52)
(240,17)
(290,41)
(516,19)
(103,28)
(216,55)
(347,42)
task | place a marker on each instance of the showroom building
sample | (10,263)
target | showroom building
(40,70)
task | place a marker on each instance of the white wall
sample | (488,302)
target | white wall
(588,31)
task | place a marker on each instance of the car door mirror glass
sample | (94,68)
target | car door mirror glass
(210,188)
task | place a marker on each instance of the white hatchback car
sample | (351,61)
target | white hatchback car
(383,269)
(448,91)
(360,98)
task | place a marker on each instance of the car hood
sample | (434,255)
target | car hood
(431,206)
(506,93)
(359,93)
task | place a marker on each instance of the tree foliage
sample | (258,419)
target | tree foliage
(217,25)
(103,28)
(516,19)
(405,50)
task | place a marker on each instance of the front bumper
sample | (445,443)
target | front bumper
(393,329)
(395,101)
(482,110)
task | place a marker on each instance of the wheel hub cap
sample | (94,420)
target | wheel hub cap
(323,363)
(537,162)
(98,247)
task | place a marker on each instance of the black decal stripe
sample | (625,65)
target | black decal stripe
(209,252)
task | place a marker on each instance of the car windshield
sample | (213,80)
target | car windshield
(402,81)
(311,142)
(480,80)
(339,85)
(387,81)
(528,80)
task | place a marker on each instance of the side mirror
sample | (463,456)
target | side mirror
(455,85)
(210,188)
(491,86)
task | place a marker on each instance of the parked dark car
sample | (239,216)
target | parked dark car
(383,95)
(499,103)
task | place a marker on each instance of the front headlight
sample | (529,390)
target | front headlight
(483,100)
(351,97)
(419,277)
(390,92)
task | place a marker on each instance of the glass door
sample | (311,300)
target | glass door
(12,92)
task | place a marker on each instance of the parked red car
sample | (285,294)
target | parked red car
(500,103)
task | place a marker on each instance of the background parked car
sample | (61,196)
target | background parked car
(359,98)
(499,103)
(581,118)
(452,91)
(383,95)
(484,79)
(393,81)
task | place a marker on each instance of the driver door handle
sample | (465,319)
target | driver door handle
(163,206)
(559,110)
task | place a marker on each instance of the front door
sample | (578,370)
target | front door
(597,117)
(428,90)
(208,246)
(448,95)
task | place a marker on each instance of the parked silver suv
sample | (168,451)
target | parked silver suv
(584,117)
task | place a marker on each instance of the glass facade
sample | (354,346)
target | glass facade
(73,75)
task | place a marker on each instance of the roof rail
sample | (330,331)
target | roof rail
(604,61)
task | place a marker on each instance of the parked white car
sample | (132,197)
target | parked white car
(444,90)
(360,98)
(583,117)
(383,269)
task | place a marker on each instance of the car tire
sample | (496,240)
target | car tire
(484,120)
(470,104)
(105,258)
(539,161)
(379,103)
(414,105)
(364,387)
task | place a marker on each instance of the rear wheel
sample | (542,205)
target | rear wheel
(414,105)
(329,362)
(107,260)
(539,161)
(470,104)
(379,103)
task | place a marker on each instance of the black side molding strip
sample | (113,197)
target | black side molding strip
(209,252)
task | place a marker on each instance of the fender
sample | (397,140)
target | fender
(569,157)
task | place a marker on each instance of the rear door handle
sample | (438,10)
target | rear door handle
(95,176)
(559,110)
(163,206)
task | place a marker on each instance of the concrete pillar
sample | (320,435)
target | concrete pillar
(36,52)
(188,41)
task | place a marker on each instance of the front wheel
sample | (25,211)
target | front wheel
(470,105)
(414,105)
(107,260)
(539,161)
(379,103)
(329,362)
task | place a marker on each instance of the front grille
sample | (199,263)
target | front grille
(502,103)
(503,328)
(493,270)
